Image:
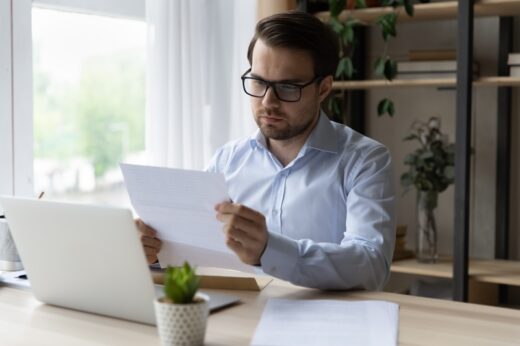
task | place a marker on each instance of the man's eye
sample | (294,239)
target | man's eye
(287,87)
(257,83)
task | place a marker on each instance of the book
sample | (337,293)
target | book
(432,55)
(422,75)
(513,59)
(514,71)
(430,66)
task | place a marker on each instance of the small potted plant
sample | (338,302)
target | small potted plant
(182,313)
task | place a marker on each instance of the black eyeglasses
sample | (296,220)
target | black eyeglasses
(287,92)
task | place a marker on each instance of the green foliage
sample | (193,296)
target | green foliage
(387,23)
(385,106)
(360,4)
(384,66)
(336,6)
(334,106)
(181,284)
(431,166)
(54,126)
(110,110)
(100,118)
(345,68)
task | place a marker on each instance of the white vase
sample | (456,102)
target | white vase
(182,324)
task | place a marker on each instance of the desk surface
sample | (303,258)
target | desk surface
(423,321)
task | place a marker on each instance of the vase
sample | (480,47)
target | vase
(182,324)
(426,240)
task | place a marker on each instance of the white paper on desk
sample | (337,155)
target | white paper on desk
(179,204)
(287,322)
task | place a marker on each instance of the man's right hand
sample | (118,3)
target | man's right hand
(151,243)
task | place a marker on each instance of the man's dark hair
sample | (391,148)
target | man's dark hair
(300,30)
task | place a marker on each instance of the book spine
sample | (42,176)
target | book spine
(513,59)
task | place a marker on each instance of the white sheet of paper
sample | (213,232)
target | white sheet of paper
(179,204)
(287,322)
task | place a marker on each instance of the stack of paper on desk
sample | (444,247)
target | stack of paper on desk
(179,204)
(287,322)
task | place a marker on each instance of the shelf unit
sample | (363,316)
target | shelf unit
(431,82)
(484,275)
(464,11)
(481,270)
(432,11)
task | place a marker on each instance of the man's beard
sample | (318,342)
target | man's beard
(287,132)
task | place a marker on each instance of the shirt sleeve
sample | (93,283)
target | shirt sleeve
(362,259)
(216,162)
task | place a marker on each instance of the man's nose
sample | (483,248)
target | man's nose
(270,99)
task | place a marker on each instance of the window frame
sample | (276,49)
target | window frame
(6,144)
(16,81)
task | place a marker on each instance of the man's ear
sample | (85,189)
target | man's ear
(325,87)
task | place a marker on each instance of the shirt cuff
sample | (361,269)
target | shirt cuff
(280,256)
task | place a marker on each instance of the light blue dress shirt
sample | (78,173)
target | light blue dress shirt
(329,213)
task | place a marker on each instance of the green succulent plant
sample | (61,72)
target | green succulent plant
(180,284)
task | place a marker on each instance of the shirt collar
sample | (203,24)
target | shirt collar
(323,137)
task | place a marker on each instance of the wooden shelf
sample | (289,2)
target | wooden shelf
(431,82)
(442,269)
(480,270)
(431,11)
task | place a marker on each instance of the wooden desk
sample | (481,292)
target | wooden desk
(423,321)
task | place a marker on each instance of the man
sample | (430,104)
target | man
(313,201)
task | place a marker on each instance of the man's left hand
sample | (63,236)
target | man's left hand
(245,230)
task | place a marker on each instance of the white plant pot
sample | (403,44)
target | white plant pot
(182,324)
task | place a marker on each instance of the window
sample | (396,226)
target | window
(89,103)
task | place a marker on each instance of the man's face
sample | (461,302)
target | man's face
(281,120)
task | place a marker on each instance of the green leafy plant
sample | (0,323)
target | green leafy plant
(384,66)
(180,284)
(431,167)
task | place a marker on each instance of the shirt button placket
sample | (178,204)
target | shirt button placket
(279,200)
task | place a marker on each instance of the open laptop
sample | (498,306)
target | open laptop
(86,257)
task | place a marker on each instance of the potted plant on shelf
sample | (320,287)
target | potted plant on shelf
(430,171)
(182,313)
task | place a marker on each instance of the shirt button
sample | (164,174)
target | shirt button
(275,212)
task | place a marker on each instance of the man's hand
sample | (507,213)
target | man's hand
(245,230)
(151,244)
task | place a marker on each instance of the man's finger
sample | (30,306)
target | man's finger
(151,242)
(149,250)
(237,221)
(240,236)
(151,258)
(234,245)
(240,210)
(145,229)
